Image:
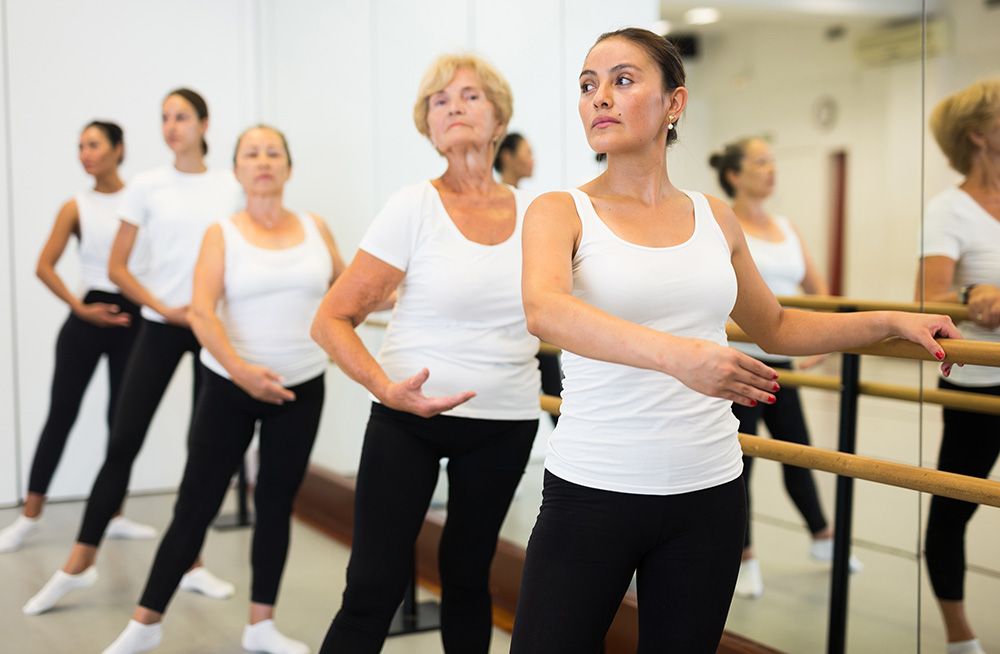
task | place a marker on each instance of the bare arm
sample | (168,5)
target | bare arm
(794,332)
(551,234)
(119,273)
(66,225)
(363,287)
(939,276)
(209,285)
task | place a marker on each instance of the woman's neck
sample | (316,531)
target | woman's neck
(509,178)
(751,210)
(190,162)
(108,182)
(265,210)
(470,170)
(641,176)
(983,178)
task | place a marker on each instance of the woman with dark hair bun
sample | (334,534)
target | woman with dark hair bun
(102,322)
(514,161)
(172,206)
(635,280)
(746,172)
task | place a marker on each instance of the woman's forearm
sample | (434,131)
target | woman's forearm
(801,333)
(212,336)
(47,273)
(133,289)
(340,340)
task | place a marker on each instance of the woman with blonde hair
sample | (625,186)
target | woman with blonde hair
(961,263)
(456,376)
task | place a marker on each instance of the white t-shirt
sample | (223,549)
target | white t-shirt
(172,211)
(782,265)
(633,430)
(957,227)
(459,312)
(270,299)
(98,220)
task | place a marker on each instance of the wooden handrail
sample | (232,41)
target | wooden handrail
(925,480)
(957,312)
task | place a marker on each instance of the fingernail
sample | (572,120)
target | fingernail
(775,376)
(775,388)
(753,402)
(771,399)
(939,354)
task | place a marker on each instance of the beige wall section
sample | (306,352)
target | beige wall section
(8,389)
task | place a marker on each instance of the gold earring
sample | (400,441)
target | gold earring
(670,125)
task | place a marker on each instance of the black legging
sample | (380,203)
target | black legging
(399,468)
(970,445)
(785,422)
(223,427)
(157,351)
(78,350)
(549,366)
(586,545)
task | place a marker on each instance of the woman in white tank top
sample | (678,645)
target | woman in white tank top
(102,322)
(260,277)
(746,173)
(634,279)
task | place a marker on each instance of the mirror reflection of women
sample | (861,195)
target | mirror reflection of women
(102,323)
(961,263)
(258,282)
(456,376)
(172,205)
(746,170)
(515,160)
(635,280)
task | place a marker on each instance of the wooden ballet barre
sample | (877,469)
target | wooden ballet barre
(925,480)
(958,350)
(957,312)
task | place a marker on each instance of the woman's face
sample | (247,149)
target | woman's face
(757,171)
(262,166)
(623,104)
(97,155)
(523,161)
(461,115)
(182,129)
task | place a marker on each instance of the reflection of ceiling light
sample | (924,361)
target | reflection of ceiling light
(701,16)
(661,27)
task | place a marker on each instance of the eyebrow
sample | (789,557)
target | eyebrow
(613,69)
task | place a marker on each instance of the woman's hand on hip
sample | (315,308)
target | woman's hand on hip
(103,314)
(262,384)
(408,396)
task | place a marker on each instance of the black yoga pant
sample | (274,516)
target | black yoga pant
(157,351)
(223,427)
(785,422)
(970,445)
(552,377)
(79,348)
(586,545)
(397,474)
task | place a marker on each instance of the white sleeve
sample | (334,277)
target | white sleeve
(943,233)
(392,236)
(133,208)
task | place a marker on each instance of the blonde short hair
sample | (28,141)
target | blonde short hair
(955,117)
(443,70)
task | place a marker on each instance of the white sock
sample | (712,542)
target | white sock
(821,549)
(966,647)
(136,637)
(200,580)
(265,637)
(12,537)
(123,528)
(57,587)
(750,583)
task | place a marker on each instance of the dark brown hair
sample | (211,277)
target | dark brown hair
(663,53)
(729,160)
(194,99)
(508,144)
(112,132)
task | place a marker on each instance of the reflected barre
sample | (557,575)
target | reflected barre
(957,312)
(925,480)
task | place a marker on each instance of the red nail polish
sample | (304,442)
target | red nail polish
(775,376)
(775,387)
(771,399)
(753,402)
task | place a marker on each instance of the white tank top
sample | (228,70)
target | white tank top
(783,267)
(98,220)
(639,431)
(269,302)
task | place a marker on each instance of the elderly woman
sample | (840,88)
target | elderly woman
(456,376)
(961,263)
(259,278)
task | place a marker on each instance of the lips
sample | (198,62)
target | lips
(604,121)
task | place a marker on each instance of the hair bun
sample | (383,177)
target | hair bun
(715,161)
